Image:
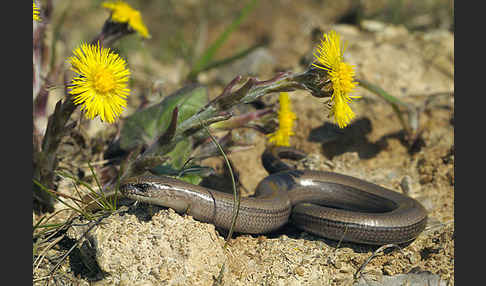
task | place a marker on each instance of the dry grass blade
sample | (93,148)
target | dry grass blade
(44,220)
(331,259)
(437,226)
(111,206)
(236,203)
(219,280)
(41,255)
(236,194)
(98,197)
(51,193)
(375,253)
(57,228)
(51,272)
(45,277)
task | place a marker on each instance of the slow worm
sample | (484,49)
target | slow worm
(323,203)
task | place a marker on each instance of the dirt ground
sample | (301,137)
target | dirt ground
(415,65)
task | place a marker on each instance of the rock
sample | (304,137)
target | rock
(424,278)
(372,26)
(168,248)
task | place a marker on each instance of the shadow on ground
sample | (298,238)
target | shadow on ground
(353,138)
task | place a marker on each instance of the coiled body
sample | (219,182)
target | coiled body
(327,204)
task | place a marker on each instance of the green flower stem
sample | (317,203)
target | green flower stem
(410,126)
(217,109)
(379,91)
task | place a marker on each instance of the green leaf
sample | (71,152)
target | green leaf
(191,178)
(179,155)
(144,126)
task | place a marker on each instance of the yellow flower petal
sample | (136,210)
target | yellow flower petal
(101,87)
(36,12)
(121,12)
(286,118)
(329,57)
(342,112)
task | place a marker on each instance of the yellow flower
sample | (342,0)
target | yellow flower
(330,58)
(121,12)
(36,12)
(102,82)
(286,118)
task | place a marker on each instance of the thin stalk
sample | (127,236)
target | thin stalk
(236,203)
(236,194)
(80,211)
(409,127)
